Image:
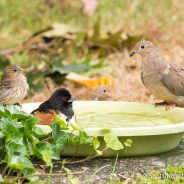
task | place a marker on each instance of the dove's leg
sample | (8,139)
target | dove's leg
(167,106)
(170,106)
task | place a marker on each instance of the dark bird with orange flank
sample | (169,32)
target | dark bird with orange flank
(14,86)
(60,103)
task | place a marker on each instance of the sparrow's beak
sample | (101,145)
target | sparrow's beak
(132,53)
(71,99)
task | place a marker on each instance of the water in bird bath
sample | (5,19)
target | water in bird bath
(116,120)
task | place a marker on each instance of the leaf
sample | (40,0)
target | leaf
(74,127)
(131,40)
(60,30)
(44,149)
(61,122)
(96,143)
(29,145)
(84,138)
(112,142)
(71,178)
(11,129)
(65,69)
(1,135)
(16,148)
(1,179)
(55,151)
(91,82)
(57,77)
(128,143)
(36,182)
(60,137)
(39,133)
(99,152)
(20,162)
(73,139)
(35,78)
(96,31)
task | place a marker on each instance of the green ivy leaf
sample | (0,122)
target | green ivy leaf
(36,182)
(16,147)
(11,129)
(99,152)
(112,142)
(84,138)
(1,135)
(1,179)
(96,143)
(60,137)
(71,178)
(128,143)
(39,133)
(73,139)
(44,149)
(20,162)
(61,122)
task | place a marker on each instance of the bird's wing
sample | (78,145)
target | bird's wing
(45,107)
(6,87)
(173,79)
(6,84)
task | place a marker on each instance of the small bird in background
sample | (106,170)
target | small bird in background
(13,86)
(102,93)
(163,80)
(60,103)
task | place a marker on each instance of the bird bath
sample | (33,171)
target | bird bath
(152,129)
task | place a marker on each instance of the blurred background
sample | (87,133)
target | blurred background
(84,44)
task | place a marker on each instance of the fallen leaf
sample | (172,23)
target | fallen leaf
(91,82)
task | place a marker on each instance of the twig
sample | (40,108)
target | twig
(37,33)
(91,177)
(2,162)
(40,46)
(9,172)
(87,158)
(7,52)
(122,177)
(83,160)
(74,153)
(5,169)
(16,178)
(61,174)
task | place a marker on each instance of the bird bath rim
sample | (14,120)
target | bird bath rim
(125,131)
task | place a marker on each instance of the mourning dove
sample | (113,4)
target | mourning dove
(163,80)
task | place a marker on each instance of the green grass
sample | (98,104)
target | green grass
(19,18)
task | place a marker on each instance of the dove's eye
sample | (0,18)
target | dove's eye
(142,46)
(104,90)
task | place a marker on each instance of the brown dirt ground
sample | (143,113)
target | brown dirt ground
(126,73)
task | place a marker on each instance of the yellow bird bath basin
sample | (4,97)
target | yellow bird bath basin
(152,129)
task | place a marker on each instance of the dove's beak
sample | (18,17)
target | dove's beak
(132,53)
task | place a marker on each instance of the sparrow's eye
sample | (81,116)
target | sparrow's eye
(104,91)
(15,70)
(142,46)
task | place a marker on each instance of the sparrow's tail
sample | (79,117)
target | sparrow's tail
(34,111)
